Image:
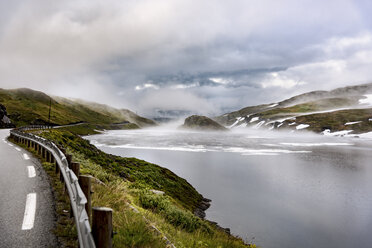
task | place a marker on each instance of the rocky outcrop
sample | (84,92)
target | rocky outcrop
(202,206)
(5,122)
(202,123)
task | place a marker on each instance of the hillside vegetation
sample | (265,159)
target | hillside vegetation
(315,111)
(26,106)
(198,122)
(127,186)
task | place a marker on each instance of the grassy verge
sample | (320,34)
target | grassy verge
(124,184)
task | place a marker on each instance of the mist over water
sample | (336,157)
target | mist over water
(275,189)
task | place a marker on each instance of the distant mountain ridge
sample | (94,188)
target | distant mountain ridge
(316,111)
(25,106)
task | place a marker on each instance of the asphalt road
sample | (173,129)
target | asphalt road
(27,214)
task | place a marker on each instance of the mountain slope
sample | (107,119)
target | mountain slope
(26,106)
(201,123)
(315,111)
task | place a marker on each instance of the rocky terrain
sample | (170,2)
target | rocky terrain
(345,110)
(5,122)
(199,122)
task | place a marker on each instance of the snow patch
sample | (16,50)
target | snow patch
(234,124)
(302,126)
(242,125)
(291,124)
(254,119)
(273,105)
(250,152)
(316,144)
(366,100)
(327,132)
(352,123)
(258,125)
(365,135)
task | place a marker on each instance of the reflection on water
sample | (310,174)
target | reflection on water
(277,189)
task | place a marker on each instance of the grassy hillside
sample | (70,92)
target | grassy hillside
(335,121)
(307,109)
(126,184)
(319,100)
(201,123)
(26,106)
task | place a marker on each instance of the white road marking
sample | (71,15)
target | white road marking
(31,171)
(30,210)
(10,144)
(18,149)
(25,156)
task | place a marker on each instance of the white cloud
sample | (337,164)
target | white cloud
(184,86)
(95,49)
(147,86)
(219,80)
(280,80)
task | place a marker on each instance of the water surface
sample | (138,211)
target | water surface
(273,189)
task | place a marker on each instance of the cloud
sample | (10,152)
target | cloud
(278,80)
(146,86)
(220,54)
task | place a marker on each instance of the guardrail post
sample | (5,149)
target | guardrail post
(47,153)
(75,167)
(52,160)
(57,167)
(69,160)
(38,149)
(43,152)
(102,227)
(85,183)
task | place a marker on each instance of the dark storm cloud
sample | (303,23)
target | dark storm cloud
(201,56)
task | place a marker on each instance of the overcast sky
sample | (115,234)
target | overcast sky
(208,56)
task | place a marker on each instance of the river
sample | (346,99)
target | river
(275,189)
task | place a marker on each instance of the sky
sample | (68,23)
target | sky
(206,57)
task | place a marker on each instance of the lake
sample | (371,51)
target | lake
(275,189)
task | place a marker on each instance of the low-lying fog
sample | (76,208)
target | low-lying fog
(276,189)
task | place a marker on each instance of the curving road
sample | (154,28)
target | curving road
(27,214)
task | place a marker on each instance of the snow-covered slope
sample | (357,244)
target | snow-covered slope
(347,109)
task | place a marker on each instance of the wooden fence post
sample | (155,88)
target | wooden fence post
(57,167)
(69,160)
(85,183)
(75,167)
(47,153)
(43,152)
(102,227)
(52,160)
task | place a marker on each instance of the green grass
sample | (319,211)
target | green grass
(323,104)
(174,215)
(137,171)
(279,112)
(28,107)
(121,182)
(335,121)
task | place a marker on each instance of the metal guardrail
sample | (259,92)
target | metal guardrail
(76,195)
